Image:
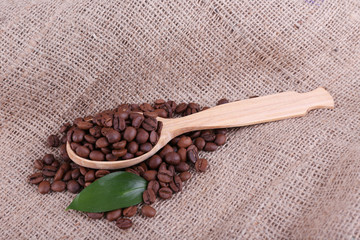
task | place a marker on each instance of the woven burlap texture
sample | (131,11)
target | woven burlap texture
(292,179)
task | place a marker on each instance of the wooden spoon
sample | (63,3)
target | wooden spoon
(235,114)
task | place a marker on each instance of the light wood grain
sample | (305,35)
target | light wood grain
(236,114)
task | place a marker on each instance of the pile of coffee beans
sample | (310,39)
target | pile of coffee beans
(124,133)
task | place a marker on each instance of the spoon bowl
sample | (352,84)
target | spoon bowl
(235,114)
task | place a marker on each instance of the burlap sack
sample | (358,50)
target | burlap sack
(293,179)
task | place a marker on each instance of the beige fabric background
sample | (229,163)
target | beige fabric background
(294,179)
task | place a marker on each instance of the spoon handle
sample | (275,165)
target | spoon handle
(253,111)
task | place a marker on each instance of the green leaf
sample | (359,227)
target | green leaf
(113,191)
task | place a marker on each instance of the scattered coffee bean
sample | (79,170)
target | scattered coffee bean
(53,141)
(38,164)
(210,147)
(58,186)
(184,142)
(113,215)
(201,165)
(73,186)
(150,175)
(149,196)
(165,193)
(130,211)
(36,178)
(100,173)
(95,215)
(184,176)
(124,223)
(148,211)
(220,139)
(48,159)
(44,187)
(59,174)
(49,171)
(172,158)
(90,176)
(153,185)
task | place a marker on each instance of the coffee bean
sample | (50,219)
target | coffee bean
(59,174)
(182,153)
(133,147)
(124,223)
(153,185)
(100,173)
(192,155)
(158,102)
(44,187)
(201,165)
(163,184)
(154,162)
(95,131)
(58,186)
(146,107)
(97,155)
(165,150)
(73,186)
(65,166)
(172,158)
(102,142)
(161,113)
(83,171)
(113,215)
(200,143)
(53,141)
(78,135)
(82,151)
(195,134)
(67,176)
(84,125)
(131,170)
(48,159)
(221,131)
(110,157)
(36,178)
(137,121)
(81,181)
(119,145)
(176,184)
(150,124)
(107,120)
(222,101)
(164,176)
(105,150)
(184,142)
(184,176)
(181,108)
(210,147)
(142,136)
(182,167)
(149,196)
(95,215)
(130,211)
(128,156)
(145,147)
(63,153)
(113,136)
(65,127)
(88,118)
(159,127)
(171,168)
(165,193)
(130,134)
(148,211)
(49,171)
(90,176)
(119,152)
(87,184)
(74,145)
(220,139)
(150,175)
(38,164)
(75,173)
(105,130)
(150,114)
(89,138)
(208,135)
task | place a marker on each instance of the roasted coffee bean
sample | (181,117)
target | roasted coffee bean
(67,176)
(49,171)
(90,176)
(63,153)
(130,211)
(73,186)
(149,196)
(95,215)
(131,170)
(124,223)
(184,142)
(74,145)
(83,170)
(145,147)
(65,127)
(172,158)
(176,184)
(69,134)
(78,135)
(181,108)
(89,138)
(142,136)
(221,131)
(200,143)
(110,157)
(146,107)
(65,166)
(150,175)
(148,211)
(119,145)
(53,141)
(113,136)
(210,147)
(150,124)
(82,151)
(87,184)
(184,176)
(63,139)
(84,125)
(222,101)
(95,131)
(139,153)
(132,147)
(154,137)
(58,186)
(55,163)
(107,120)
(119,152)
(100,173)
(36,178)
(208,135)
(130,134)
(113,215)
(89,146)
(105,130)
(174,141)
(97,155)
(137,121)
(75,173)
(195,134)
(88,118)
(44,187)
(159,102)
(159,127)
(105,150)
(192,147)
(182,153)
(161,113)
(77,120)
(81,181)
(102,142)
(163,184)
(165,150)
(38,164)
(154,162)
(150,114)
(201,165)
(162,167)
(171,168)
(194,105)
(48,159)
(165,193)
(128,156)
(59,174)
(192,155)
(153,185)
(220,139)
(182,167)
(165,176)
